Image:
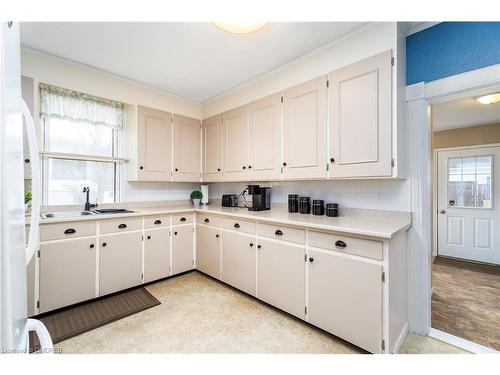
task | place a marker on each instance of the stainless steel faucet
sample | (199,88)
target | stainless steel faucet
(88,206)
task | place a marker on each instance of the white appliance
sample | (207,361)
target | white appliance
(14,254)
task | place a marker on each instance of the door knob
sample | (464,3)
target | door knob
(311,260)
(442,211)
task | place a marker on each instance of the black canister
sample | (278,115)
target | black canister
(318,207)
(305,205)
(332,209)
(293,203)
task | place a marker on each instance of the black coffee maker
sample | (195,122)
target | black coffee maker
(261,198)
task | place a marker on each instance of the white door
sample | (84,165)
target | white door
(468,189)
(186,148)
(236,144)
(212,138)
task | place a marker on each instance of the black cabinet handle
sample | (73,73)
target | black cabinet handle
(177,169)
(175,233)
(340,244)
(236,225)
(70,231)
(121,226)
(183,219)
(311,260)
(278,233)
(284,164)
(216,236)
(259,246)
(104,244)
(157,222)
(26,160)
(249,167)
(244,167)
(141,167)
(332,160)
(251,244)
(149,237)
(218,169)
(92,245)
(206,220)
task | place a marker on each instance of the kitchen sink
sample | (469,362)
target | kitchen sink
(65,214)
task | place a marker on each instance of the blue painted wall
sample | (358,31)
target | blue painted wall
(451,48)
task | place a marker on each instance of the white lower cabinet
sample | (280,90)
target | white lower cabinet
(238,261)
(281,275)
(208,250)
(120,262)
(156,254)
(182,249)
(67,272)
(345,298)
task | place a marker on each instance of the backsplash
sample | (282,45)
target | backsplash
(389,195)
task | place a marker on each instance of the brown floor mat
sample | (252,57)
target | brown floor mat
(75,320)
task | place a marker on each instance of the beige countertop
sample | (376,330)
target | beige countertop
(371,223)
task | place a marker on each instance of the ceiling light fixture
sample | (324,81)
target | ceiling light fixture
(239,27)
(489,99)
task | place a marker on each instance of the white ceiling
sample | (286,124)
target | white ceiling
(193,60)
(463,113)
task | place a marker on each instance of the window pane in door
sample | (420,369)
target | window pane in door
(66,179)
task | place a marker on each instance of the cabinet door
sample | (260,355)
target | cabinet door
(208,250)
(120,262)
(187,148)
(154,144)
(281,275)
(265,139)
(345,298)
(236,144)
(156,254)
(67,272)
(361,118)
(212,138)
(182,249)
(304,130)
(238,261)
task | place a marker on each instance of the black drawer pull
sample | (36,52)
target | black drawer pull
(311,260)
(206,220)
(149,237)
(92,245)
(236,225)
(183,219)
(70,231)
(340,244)
(157,222)
(104,244)
(121,226)
(251,244)
(278,233)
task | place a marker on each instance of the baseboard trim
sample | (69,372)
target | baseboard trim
(401,338)
(460,342)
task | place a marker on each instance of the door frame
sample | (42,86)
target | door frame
(419,97)
(435,187)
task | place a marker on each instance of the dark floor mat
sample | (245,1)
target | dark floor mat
(73,321)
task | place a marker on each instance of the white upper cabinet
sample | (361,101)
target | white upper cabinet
(265,139)
(212,136)
(186,148)
(236,126)
(361,118)
(304,130)
(150,136)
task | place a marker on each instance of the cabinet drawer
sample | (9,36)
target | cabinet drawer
(179,219)
(282,232)
(122,225)
(239,225)
(156,221)
(354,246)
(213,221)
(66,230)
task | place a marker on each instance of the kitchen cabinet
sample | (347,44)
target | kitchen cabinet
(361,118)
(304,130)
(149,134)
(182,248)
(236,122)
(186,148)
(239,261)
(265,138)
(208,243)
(212,149)
(67,272)
(120,261)
(281,275)
(345,298)
(156,254)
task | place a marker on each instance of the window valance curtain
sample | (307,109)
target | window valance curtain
(79,107)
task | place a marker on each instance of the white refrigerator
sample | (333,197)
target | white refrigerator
(14,253)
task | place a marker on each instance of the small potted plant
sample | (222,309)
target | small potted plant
(27,199)
(196,196)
